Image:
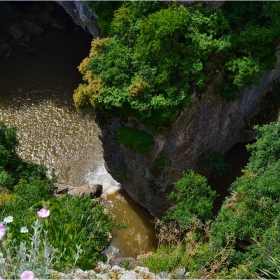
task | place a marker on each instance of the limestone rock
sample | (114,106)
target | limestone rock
(58,24)
(16,32)
(82,15)
(50,7)
(4,47)
(33,28)
(45,17)
(90,189)
(61,188)
(30,16)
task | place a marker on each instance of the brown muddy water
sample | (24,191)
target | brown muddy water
(36,96)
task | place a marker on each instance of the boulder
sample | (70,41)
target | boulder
(16,32)
(30,16)
(33,28)
(60,188)
(58,24)
(91,190)
(37,6)
(4,47)
(45,17)
(50,7)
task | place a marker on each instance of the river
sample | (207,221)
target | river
(36,96)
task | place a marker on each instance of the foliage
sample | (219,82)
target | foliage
(105,11)
(193,196)
(35,254)
(76,220)
(139,141)
(214,162)
(12,168)
(73,220)
(251,210)
(187,248)
(161,161)
(160,54)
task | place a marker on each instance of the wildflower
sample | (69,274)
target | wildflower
(43,213)
(24,230)
(8,219)
(27,275)
(1,278)
(2,230)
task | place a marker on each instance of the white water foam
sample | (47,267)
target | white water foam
(102,177)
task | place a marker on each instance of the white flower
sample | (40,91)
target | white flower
(8,219)
(24,230)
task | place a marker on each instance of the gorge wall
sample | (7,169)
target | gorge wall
(209,123)
(82,15)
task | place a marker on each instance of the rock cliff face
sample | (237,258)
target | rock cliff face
(210,123)
(82,15)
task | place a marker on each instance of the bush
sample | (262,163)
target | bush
(193,197)
(34,256)
(140,141)
(213,162)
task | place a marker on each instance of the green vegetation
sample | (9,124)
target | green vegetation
(213,162)
(193,197)
(244,239)
(161,161)
(159,54)
(105,11)
(73,221)
(139,141)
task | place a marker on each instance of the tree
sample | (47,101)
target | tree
(193,197)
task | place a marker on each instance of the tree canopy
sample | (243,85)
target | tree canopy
(158,55)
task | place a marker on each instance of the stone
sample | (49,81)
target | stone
(16,32)
(33,28)
(30,16)
(45,17)
(82,15)
(58,24)
(37,6)
(50,7)
(61,188)
(91,190)
(4,47)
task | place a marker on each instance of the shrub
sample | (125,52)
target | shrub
(193,197)
(140,141)
(35,255)
(213,162)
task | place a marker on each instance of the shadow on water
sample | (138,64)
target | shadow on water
(26,74)
(238,157)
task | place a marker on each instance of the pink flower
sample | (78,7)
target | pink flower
(43,213)
(1,278)
(2,230)
(27,275)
